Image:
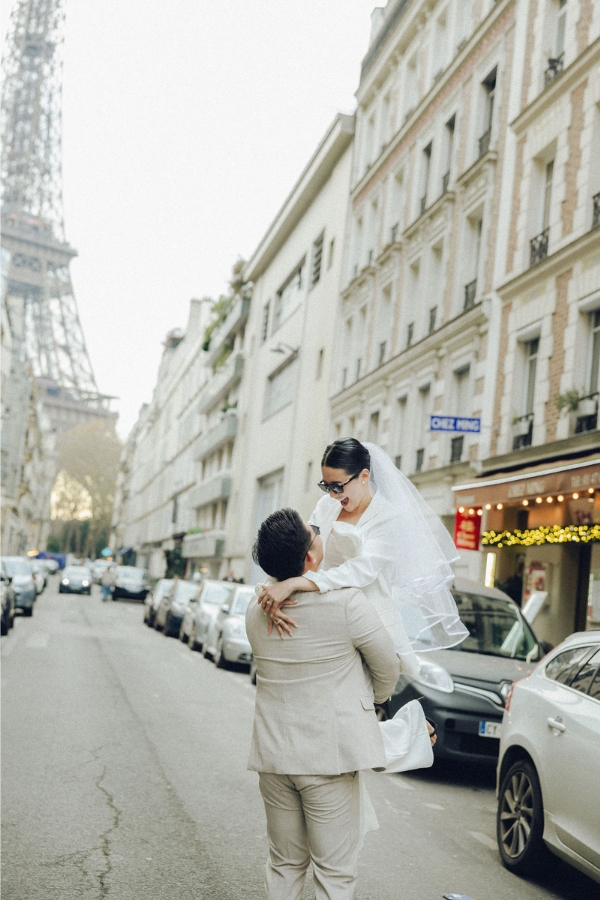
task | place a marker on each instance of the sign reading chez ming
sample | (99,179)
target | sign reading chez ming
(454,423)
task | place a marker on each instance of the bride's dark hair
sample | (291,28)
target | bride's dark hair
(347,454)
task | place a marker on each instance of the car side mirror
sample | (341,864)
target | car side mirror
(225,608)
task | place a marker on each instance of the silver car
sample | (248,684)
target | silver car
(214,594)
(19,570)
(227,641)
(153,598)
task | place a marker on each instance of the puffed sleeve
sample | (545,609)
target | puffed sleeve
(375,553)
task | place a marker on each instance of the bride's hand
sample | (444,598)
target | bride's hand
(275,594)
(282,622)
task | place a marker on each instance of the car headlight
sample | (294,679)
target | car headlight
(84,583)
(65,581)
(434,676)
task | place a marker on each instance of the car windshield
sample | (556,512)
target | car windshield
(496,627)
(241,603)
(15,566)
(77,570)
(186,590)
(130,573)
(217,594)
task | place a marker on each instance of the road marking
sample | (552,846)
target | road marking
(484,839)
(400,783)
(434,806)
(38,640)
(393,808)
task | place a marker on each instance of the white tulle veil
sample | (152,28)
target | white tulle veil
(423,551)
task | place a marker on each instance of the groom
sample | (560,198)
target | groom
(315,724)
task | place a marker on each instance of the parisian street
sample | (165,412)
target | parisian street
(124,772)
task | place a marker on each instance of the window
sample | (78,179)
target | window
(269,499)
(594,372)
(289,297)
(317,257)
(449,136)
(424,408)
(425,168)
(410,331)
(374,427)
(385,123)
(432,318)
(585,676)
(531,355)
(264,331)
(440,47)
(565,665)
(561,24)
(384,324)
(547,195)
(410,87)
(331,253)
(309,477)
(401,443)
(280,387)
(489,91)
(395,207)
(456,448)
(320,358)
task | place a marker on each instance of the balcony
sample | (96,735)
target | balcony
(222,382)
(539,247)
(523,431)
(587,409)
(470,294)
(216,488)
(484,142)
(221,434)
(555,67)
(445,182)
(236,318)
(596,212)
(207,545)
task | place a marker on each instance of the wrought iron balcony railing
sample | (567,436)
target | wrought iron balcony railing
(523,427)
(587,420)
(445,182)
(555,67)
(539,247)
(484,142)
(596,213)
(470,293)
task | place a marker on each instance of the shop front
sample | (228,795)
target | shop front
(538,533)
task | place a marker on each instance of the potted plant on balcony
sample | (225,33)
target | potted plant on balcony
(521,424)
(574,401)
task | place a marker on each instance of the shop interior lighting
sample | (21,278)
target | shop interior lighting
(538,499)
(549,499)
(461,509)
(471,512)
(480,512)
(546,534)
(499,506)
(590,490)
(488,505)
(560,498)
(525,502)
(575,496)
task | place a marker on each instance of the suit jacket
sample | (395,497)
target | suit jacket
(314,712)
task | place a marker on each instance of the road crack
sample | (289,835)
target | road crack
(105,837)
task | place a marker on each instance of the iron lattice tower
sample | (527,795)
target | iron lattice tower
(39,291)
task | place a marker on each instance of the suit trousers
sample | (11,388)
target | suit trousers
(312,818)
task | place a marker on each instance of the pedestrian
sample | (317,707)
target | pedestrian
(315,724)
(230,576)
(107,581)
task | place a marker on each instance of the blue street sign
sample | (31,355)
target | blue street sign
(453,423)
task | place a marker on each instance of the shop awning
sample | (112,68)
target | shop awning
(564,479)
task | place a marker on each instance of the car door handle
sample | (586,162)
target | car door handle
(554,723)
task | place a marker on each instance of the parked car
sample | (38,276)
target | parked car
(51,565)
(214,594)
(7,595)
(130,582)
(99,567)
(40,574)
(153,598)
(464,688)
(18,569)
(227,641)
(171,609)
(75,580)
(549,767)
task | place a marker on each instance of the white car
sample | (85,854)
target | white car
(549,763)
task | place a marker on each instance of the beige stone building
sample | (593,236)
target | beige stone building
(283,404)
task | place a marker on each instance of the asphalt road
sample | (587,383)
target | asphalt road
(124,776)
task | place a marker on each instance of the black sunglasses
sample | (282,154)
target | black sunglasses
(316,533)
(336,486)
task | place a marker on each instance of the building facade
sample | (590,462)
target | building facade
(290,335)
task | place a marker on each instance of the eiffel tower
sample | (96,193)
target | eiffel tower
(40,295)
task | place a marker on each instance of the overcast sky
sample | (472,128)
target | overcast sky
(185,125)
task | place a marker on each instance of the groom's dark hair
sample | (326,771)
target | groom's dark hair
(282,544)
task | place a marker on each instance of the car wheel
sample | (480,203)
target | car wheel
(28,611)
(219,657)
(157,624)
(167,628)
(205,651)
(520,820)
(4,626)
(192,642)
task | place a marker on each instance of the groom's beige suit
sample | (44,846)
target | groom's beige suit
(315,727)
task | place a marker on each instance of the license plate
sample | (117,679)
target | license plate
(490,729)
